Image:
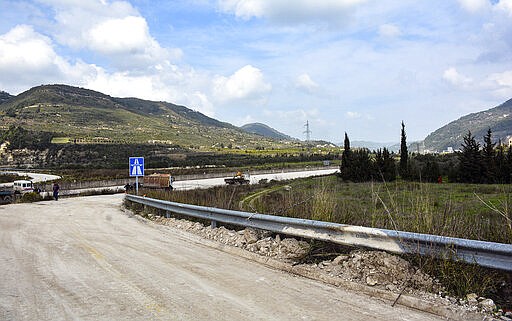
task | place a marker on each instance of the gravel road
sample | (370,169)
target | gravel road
(85,259)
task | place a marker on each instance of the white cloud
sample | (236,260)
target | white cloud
(353,115)
(128,41)
(123,35)
(27,58)
(115,30)
(455,78)
(23,48)
(247,83)
(502,84)
(474,5)
(243,8)
(290,10)
(74,18)
(389,30)
(305,82)
(505,6)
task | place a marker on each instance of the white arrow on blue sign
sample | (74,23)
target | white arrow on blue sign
(136,166)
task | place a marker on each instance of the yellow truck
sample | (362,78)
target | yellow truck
(239,178)
(158,181)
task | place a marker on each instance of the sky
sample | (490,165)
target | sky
(355,66)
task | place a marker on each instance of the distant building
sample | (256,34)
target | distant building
(448,150)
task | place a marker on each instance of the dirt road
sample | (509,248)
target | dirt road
(85,259)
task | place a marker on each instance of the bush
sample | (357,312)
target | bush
(31,197)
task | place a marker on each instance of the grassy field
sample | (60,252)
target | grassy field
(480,212)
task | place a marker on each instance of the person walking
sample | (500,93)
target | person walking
(56,188)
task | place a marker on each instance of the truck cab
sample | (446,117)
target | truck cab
(23,186)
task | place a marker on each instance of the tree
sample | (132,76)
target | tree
(346,159)
(489,161)
(356,166)
(362,168)
(404,154)
(502,166)
(385,165)
(508,166)
(470,165)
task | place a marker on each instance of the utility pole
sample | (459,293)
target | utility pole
(307,132)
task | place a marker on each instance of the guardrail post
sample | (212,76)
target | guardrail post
(167,214)
(213,224)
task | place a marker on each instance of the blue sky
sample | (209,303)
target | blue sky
(355,66)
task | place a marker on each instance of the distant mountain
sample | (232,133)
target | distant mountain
(266,131)
(78,113)
(4,96)
(499,119)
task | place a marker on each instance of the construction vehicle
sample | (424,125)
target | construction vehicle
(158,181)
(239,179)
(6,196)
(18,189)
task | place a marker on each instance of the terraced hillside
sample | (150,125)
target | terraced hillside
(72,114)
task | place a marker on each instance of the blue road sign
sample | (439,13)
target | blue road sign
(136,166)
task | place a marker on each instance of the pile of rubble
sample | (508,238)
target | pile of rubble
(376,269)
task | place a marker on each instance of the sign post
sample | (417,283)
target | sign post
(136,169)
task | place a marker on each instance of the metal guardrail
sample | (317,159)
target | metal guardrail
(487,254)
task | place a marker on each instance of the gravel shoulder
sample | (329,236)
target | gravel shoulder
(86,259)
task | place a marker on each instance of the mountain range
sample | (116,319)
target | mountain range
(73,113)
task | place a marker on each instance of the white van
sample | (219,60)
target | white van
(23,186)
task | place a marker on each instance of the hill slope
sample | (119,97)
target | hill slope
(266,131)
(78,113)
(499,119)
(4,96)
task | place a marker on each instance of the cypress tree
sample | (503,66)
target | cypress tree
(489,160)
(404,154)
(346,160)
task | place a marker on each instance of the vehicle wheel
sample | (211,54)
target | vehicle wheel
(8,199)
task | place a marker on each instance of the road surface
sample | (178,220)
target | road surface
(85,259)
(254,179)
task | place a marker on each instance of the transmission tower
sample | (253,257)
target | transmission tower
(307,132)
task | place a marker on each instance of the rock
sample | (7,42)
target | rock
(251,236)
(487,305)
(371,281)
(391,287)
(472,299)
(292,249)
(339,259)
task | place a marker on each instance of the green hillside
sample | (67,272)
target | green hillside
(499,119)
(77,114)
